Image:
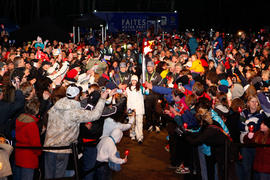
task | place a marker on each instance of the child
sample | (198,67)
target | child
(196,65)
(107,150)
(135,103)
(27,134)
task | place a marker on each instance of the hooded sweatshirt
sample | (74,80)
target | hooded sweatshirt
(106,148)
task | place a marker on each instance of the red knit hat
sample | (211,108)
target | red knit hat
(72,73)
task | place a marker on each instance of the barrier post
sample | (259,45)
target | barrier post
(226,160)
(76,161)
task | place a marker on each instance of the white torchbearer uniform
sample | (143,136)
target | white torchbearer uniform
(135,102)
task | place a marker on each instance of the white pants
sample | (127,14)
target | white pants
(137,127)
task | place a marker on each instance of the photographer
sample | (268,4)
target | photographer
(63,128)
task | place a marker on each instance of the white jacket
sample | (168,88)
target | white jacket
(135,100)
(64,122)
(110,125)
(106,148)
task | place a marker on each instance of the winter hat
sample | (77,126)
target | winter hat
(72,91)
(134,77)
(222,110)
(237,91)
(122,65)
(129,46)
(150,64)
(72,73)
(223,88)
(224,82)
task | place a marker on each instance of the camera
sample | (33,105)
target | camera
(120,91)
(103,89)
(130,111)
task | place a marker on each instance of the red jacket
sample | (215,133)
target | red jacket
(27,134)
(262,159)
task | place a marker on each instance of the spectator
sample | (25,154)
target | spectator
(63,129)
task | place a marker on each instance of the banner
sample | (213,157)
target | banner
(135,21)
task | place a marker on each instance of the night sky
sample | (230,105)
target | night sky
(228,15)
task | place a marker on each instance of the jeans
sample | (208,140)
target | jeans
(203,164)
(55,165)
(103,172)
(23,173)
(244,167)
(89,161)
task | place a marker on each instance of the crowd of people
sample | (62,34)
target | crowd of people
(206,90)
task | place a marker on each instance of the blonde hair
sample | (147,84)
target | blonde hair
(252,97)
(204,115)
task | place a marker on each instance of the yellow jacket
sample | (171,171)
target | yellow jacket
(164,73)
(197,66)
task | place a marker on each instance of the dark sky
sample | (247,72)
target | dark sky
(228,14)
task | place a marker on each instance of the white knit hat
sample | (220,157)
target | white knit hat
(134,77)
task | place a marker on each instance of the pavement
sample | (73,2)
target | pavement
(146,161)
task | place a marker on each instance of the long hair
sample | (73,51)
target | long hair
(256,97)
(32,106)
(138,86)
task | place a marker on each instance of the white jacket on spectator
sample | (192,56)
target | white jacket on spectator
(62,72)
(110,125)
(106,148)
(64,122)
(135,100)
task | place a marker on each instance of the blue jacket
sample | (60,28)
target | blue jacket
(189,118)
(9,111)
(167,92)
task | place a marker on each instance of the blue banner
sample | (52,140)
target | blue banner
(135,21)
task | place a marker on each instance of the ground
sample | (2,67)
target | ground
(146,161)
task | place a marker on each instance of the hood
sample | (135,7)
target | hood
(117,135)
(66,104)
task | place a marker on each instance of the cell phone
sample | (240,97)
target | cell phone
(179,84)
(3,69)
(103,89)
(120,91)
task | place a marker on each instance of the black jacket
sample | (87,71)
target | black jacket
(9,110)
